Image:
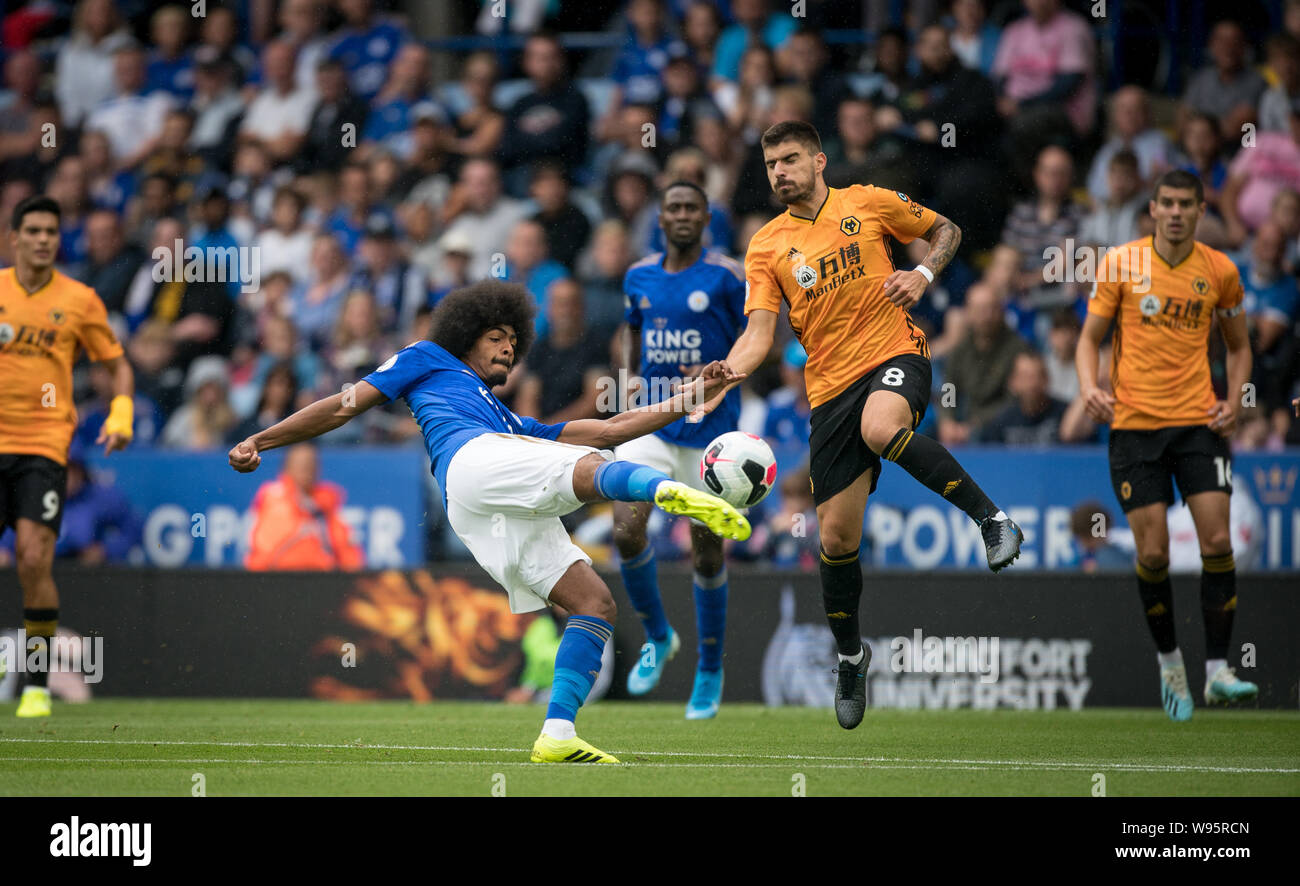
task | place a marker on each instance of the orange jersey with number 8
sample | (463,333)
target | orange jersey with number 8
(1160,365)
(40,336)
(831,271)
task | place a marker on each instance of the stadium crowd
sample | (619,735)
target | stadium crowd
(312,136)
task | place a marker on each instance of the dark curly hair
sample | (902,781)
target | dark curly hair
(465,314)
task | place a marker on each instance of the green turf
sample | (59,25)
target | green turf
(155,747)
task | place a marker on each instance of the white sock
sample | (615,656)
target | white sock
(1212,666)
(1171,659)
(853,659)
(1001,515)
(559,729)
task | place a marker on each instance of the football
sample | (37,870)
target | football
(738,468)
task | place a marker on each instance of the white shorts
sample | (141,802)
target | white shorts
(679,462)
(505,496)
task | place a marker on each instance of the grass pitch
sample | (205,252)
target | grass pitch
(276,747)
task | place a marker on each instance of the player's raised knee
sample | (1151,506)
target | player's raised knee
(879,434)
(840,537)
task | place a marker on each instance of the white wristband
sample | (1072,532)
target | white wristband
(925,272)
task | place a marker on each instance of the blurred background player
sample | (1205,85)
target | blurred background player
(46,319)
(868,368)
(1166,422)
(507,480)
(685,307)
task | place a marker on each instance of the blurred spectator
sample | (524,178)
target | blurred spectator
(601,270)
(482,214)
(155,201)
(527,263)
(1044,222)
(1115,220)
(974,37)
(1046,71)
(67,186)
(551,120)
(1255,178)
(279,116)
(327,145)
(691,165)
(132,119)
(393,110)
(218,108)
(629,196)
(746,102)
(172,155)
(213,234)
(639,68)
(356,207)
(789,537)
(426,175)
(1199,144)
(157,376)
(20,132)
(92,412)
(111,263)
(220,35)
(1090,525)
(276,402)
(478,124)
(84,67)
(630,137)
(399,290)
(786,426)
(685,103)
(755,22)
(297,520)
(701,28)
(286,245)
(565,367)
(721,159)
(281,343)
(450,258)
(316,306)
(109,188)
(1285,213)
(861,155)
(170,66)
(302,27)
(1131,130)
(1033,417)
(1282,100)
(567,227)
(1228,89)
(1273,307)
(1062,339)
(206,417)
(366,45)
(979,367)
(888,68)
(804,61)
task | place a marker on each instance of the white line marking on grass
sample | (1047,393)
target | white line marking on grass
(847,762)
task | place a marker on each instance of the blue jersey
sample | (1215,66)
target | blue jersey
(450,402)
(366,55)
(692,316)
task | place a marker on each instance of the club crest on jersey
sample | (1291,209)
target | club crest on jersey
(805,276)
(1149,306)
(1200,286)
(850,225)
(644,304)
(57,316)
(698,300)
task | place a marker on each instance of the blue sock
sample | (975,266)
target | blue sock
(628,481)
(642,583)
(577,664)
(711,617)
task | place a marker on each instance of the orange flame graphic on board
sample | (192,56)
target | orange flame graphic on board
(440,634)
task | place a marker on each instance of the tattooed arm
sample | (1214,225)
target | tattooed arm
(905,288)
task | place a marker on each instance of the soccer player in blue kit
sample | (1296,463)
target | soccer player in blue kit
(685,308)
(507,480)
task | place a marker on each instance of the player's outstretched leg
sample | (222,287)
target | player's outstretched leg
(1158,604)
(839,525)
(619,480)
(710,591)
(34,546)
(641,580)
(577,665)
(1218,606)
(887,421)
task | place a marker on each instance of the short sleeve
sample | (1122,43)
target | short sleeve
(900,214)
(761,289)
(95,335)
(1105,296)
(396,376)
(1231,293)
(631,311)
(534,428)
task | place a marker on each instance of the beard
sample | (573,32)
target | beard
(794,194)
(497,375)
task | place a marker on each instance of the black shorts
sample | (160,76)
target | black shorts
(839,455)
(1144,464)
(34,487)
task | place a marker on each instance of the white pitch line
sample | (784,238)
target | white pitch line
(851,762)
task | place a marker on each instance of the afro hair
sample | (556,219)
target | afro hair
(463,315)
